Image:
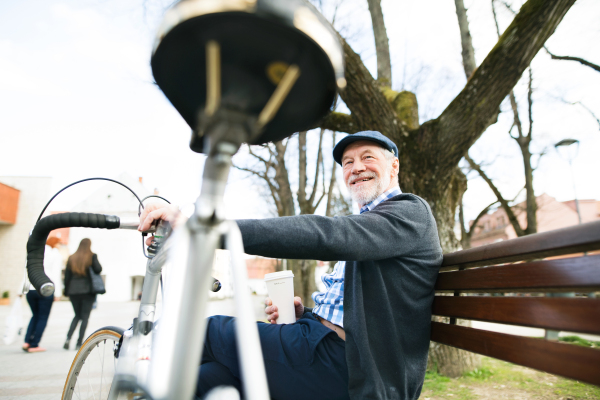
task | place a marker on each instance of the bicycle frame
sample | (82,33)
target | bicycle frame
(165,363)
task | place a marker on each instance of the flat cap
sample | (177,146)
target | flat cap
(372,136)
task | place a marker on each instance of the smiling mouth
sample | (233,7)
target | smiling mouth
(361,180)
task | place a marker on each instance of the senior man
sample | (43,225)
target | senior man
(368,335)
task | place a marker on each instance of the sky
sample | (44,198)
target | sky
(77,98)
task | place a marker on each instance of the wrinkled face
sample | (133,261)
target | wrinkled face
(367,171)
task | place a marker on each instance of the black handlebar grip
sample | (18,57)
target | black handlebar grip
(37,242)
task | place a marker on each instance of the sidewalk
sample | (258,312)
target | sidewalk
(41,376)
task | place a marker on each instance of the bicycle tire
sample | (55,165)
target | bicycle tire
(100,342)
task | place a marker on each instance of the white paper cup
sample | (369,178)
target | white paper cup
(280,286)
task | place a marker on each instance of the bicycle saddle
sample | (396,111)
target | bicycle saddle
(277,61)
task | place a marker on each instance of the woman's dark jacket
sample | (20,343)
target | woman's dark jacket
(78,284)
(392,256)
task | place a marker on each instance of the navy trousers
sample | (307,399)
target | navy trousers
(303,360)
(40,308)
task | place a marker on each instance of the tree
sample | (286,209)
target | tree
(430,153)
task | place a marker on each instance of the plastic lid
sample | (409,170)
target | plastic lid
(278,275)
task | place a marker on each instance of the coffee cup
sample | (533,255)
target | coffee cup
(280,286)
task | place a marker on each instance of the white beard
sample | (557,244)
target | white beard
(365,194)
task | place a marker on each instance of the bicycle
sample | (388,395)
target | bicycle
(238,71)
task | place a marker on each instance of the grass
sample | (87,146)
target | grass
(497,379)
(579,341)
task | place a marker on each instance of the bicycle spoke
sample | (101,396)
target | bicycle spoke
(102,367)
(90,382)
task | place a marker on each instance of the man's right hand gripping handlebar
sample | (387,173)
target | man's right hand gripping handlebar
(155,211)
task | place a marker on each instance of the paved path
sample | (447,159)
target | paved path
(41,376)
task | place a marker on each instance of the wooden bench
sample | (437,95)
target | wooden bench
(524,270)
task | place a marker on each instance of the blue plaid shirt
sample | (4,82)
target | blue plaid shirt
(329,305)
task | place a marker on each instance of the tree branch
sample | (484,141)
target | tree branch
(331,184)
(467,116)
(337,121)
(509,212)
(301,194)
(465,239)
(267,163)
(530,103)
(579,60)
(468,53)
(382,47)
(313,193)
(516,119)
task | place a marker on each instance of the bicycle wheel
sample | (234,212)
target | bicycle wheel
(93,368)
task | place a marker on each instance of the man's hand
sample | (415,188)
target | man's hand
(272,313)
(154,211)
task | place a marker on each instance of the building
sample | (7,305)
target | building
(22,198)
(120,252)
(258,267)
(551,215)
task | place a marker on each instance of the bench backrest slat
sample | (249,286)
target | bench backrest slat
(567,360)
(474,275)
(579,238)
(561,314)
(578,274)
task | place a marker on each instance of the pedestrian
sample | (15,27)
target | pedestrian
(41,305)
(78,286)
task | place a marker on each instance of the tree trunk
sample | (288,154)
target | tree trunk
(304,279)
(531,202)
(450,361)
(524,144)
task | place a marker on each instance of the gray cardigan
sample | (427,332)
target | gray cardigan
(392,256)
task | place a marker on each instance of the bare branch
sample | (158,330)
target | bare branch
(515,110)
(317,171)
(585,107)
(331,184)
(466,236)
(530,102)
(468,53)
(509,212)
(258,157)
(262,176)
(510,131)
(578,59)
(302,172)
(496,19)
(382,47)
(467,116)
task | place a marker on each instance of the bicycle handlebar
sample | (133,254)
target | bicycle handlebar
(37,242)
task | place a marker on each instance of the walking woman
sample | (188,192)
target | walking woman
(40,305)
(78,287)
